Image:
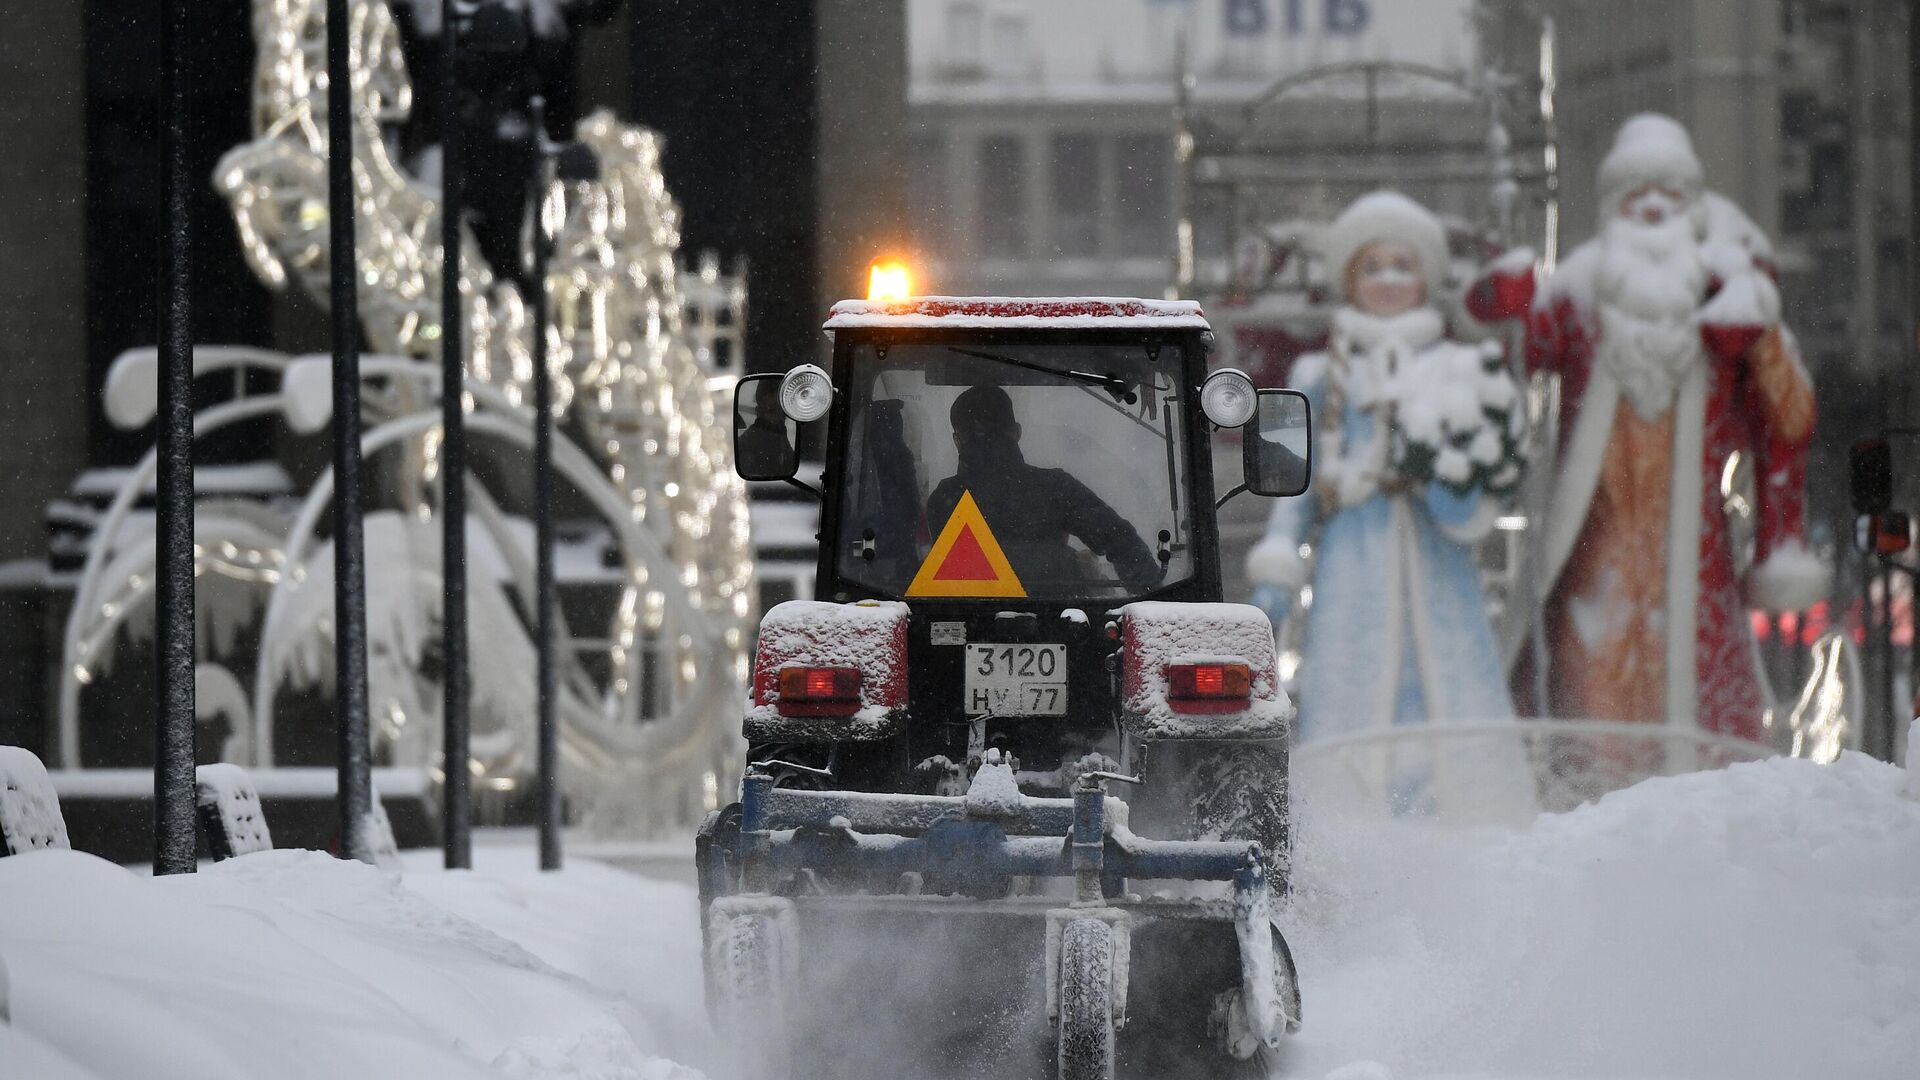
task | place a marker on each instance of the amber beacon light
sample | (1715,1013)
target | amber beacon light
(889,279)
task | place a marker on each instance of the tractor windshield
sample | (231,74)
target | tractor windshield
(1015,470)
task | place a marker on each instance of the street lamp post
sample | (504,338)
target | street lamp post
(355,784)
(552,162)
(549,733)
(456,736)
(174,741)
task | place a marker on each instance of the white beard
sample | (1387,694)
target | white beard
(1648,286)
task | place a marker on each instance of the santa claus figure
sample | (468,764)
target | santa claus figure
(1417,452)
(1665,331)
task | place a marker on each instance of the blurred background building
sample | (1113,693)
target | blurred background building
(1043,134)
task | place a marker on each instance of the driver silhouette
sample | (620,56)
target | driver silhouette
(1033,511)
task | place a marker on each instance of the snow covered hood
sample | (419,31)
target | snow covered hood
(1018,312)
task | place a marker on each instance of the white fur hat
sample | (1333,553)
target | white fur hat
(1386,215)
(1649,149)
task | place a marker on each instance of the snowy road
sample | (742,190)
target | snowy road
(1758,922)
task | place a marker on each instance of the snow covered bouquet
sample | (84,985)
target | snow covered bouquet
(1458,420)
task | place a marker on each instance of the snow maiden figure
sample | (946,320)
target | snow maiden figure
(1418,450)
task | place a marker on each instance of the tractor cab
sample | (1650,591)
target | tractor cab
(1014,471)
(1019,604)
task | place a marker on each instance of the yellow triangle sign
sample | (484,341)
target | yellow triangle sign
(966,560)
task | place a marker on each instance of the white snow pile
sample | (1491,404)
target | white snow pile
(29,810)
(1755,922)
(296,964)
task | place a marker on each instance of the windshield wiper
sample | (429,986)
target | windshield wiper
(1113,384)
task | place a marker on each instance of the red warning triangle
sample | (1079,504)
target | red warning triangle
(966,559)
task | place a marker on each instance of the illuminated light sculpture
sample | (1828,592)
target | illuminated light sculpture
(632,375)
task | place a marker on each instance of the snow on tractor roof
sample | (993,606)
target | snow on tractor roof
(1018,312)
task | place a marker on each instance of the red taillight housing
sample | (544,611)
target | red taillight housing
(818,691)
(1209,686)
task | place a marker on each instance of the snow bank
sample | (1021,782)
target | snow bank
(1754,922)
(27,1056)
(634,937)
(295,964)
(29,810)
(1757,922)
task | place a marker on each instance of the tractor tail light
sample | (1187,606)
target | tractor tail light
(819,691)
(1209,687)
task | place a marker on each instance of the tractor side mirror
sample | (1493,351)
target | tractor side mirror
(766,443)
(1278,444)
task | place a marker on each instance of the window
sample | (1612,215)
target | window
(1002,197)
(927,194)
(1074,454)
(963,36)
(1143,196)
(1009,56)
(1076,194)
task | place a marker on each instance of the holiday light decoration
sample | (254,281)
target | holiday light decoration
(634,379)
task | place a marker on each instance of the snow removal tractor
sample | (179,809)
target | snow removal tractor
(1016,801)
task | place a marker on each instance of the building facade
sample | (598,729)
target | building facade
(1044,133)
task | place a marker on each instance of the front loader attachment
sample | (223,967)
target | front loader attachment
(993,934)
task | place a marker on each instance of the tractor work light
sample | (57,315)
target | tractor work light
(1228,398)
(806,393)
(889,279)
(1212,686)
(818,691)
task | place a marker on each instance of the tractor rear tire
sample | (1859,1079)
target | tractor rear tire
(1086,1001)
(752,1002)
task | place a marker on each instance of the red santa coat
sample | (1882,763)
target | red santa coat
(1751,396)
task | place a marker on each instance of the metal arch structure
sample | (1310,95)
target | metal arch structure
(672,761)
(130,403)
(1370,71)
(1237,162)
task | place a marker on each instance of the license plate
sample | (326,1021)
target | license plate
(1016,680)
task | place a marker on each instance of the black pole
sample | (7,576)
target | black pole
(1889,737)
(174,741)
(453,461)
(543,502)
(355,763)
(1912,391)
